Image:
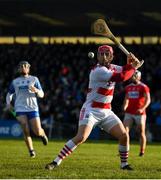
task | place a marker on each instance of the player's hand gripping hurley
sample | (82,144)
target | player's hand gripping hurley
(100,27)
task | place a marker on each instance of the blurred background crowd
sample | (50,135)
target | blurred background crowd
(63,71)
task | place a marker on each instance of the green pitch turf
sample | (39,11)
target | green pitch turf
(92,160)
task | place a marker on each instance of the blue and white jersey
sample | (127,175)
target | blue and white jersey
(25,99)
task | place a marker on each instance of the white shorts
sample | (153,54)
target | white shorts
(138,119)
(104,118)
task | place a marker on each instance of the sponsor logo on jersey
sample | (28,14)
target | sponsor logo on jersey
(133,94)
(23,87)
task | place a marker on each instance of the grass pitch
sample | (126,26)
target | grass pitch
(92,160)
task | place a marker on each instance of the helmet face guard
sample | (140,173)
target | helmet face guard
(105,55)
(23,64)
(137,74)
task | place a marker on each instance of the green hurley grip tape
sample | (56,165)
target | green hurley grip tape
(13,113)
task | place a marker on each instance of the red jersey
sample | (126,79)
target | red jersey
(135,95)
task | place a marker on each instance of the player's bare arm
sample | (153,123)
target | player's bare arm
(146,104)
(125,103)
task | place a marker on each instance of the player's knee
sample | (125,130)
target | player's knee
(127,129)
(38,132)
(142,134)
(26,132)
(124,137)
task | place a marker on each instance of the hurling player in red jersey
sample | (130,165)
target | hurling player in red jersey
(137,99)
